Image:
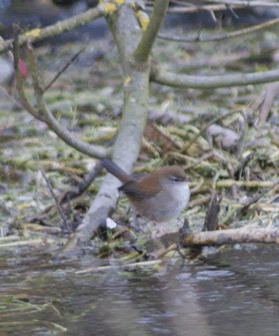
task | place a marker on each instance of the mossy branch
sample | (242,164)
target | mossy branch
(150,34)
(169,78)
(56,29)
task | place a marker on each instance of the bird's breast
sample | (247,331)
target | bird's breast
(165,205)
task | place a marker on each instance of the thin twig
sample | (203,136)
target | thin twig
(203,158)
(194,8)
(223,36)
(150,263)
(11,98)
(244,209)
(229,7)
(16,30)
(64,69)
(56,200)
(251,4)
(19,81)
(44,114)
(83,185)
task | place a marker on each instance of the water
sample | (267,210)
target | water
(236,292)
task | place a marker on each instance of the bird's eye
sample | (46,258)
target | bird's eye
(176,179)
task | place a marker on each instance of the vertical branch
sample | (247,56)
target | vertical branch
(150,34)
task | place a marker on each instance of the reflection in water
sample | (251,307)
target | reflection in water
(138,305)
(247,302)
(236,293)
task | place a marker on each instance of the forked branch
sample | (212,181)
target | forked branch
(42,113)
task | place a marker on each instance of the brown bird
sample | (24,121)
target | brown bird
(159,196)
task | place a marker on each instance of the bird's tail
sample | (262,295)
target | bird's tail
(115,170)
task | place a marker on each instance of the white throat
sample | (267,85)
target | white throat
(181,193)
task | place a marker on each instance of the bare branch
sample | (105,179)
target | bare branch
(11,98)
(63,69)
(161,76)
(223,36)
(195,9)
(58,28)
(65,223)
(83,185)
(246,3)
(245,184)
(47,117)
(127,35)
(43,113)
(19,81)
(233,236)
(149,36)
